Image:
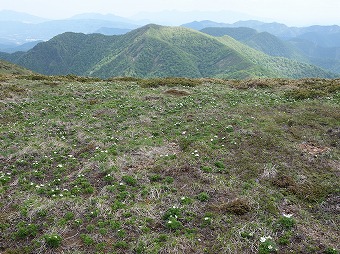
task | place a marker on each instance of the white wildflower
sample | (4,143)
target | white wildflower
(287,215)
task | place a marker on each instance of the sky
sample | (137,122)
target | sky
(290,12)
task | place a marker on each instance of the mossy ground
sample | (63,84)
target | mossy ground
(132,166)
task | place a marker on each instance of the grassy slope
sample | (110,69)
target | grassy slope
(9,69)
(102,163)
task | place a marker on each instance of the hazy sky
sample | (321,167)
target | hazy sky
(291,12)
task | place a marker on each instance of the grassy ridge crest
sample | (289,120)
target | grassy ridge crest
(130,165)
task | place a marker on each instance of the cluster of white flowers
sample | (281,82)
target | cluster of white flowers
(195,153)
(265,238)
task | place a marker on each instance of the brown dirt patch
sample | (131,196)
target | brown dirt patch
(313,149)
(238,206)
(176,92)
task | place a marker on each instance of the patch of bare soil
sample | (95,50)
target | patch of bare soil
(176,92)
(313,149)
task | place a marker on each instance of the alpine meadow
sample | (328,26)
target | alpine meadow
(122,136)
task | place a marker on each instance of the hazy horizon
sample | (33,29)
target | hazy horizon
(290,12)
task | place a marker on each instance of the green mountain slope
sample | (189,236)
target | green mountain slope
(67,53)
(153,51)
(264,65)
(171,51)
(325,57)
(262,41)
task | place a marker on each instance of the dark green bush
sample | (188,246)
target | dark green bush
(203,197)
(53,240)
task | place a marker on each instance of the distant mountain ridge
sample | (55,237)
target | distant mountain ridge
(154,51)
(318,45)
(262,41)
(8,15)
(277,29)
(11,48)
(18,28)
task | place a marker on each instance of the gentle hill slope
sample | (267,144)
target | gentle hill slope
(12,69)
(169,165)
(153,51)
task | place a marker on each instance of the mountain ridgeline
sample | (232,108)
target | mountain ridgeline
(262,41)
(317,45)
(158,51)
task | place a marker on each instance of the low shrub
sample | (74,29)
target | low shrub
(53,240)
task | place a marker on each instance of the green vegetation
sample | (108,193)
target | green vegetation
(11,69)
(156,51)
(312,47)
(261,41)
(125,166)
(53,240)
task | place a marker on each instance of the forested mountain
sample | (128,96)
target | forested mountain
(319,45)
(262,41)
(155,50)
